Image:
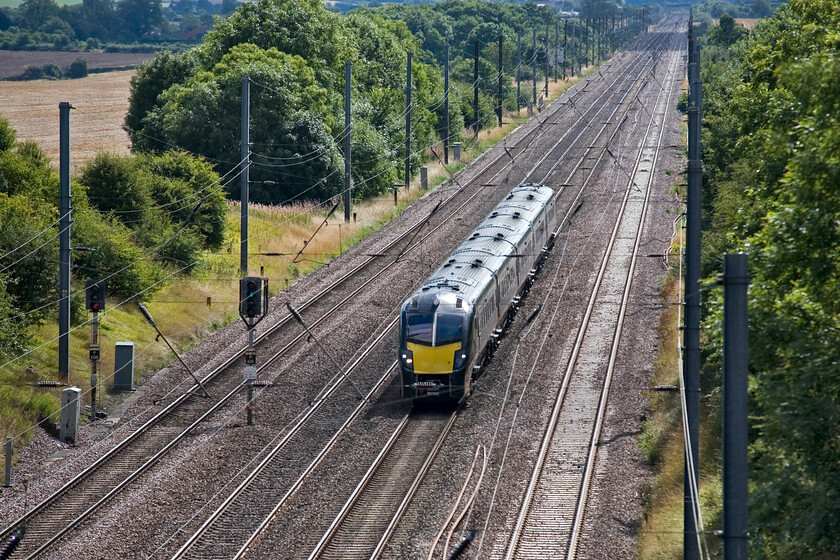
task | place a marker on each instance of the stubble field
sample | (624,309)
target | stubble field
(100,103)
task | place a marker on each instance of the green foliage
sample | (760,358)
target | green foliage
(294,53)
(727,32)
(25,170)
(150,80)
(29,283)
(772,170)
(293,27)
(7,135)
(172,203)
(115,256)
(78,69)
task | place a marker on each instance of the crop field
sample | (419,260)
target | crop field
(13,63)
(100,102)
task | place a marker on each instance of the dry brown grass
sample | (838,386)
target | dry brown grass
(100,102)
(749,23)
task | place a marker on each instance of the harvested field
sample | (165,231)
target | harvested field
(13,63)
(100,102)
(749,23)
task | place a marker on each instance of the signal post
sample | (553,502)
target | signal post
(94,302)
(253,306)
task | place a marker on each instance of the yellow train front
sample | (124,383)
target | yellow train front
(452,323)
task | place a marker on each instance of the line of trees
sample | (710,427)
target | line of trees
(91,24)
(294,52)
(770,148)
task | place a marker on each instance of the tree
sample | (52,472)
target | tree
(141,17)
(771,188)
(761,8)
(37,12)
(7,135)
(726,32)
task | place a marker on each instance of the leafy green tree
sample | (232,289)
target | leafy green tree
(25,170)
(28,282)
(761,8)
(7,135)
(150,80)
(726,32)
(158,196)
(37,12)
(771,176)
(294,27)
(141,17)
(128,268)
(190,193)
(78,69)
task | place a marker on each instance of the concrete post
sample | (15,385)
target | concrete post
(71,399)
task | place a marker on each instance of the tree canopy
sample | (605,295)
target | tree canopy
(771,147)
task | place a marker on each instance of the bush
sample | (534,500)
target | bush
(51,71)
(32,73)
(78,69)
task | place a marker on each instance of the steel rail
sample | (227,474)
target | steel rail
(226,364)
(560,400)
(217,514)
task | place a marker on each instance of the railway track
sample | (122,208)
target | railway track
(47,523)
(554,506)
(228,519)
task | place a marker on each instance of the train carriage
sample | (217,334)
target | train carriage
(452,323)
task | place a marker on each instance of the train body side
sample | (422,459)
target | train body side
(452,323)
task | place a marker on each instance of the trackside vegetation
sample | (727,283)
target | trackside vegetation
(770,149)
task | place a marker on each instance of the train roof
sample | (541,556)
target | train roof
(477,259)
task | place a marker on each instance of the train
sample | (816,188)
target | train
(451,325)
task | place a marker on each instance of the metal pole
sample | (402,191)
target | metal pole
(556,47)
(518,68)
(735,366)
(7,482)
(94,363)
(691,363)
(64,243)
(446,106)
(547,70)
(475,88)
(408,122)
(534,68)
(347,148)
(244,156)
(499,110)
(250,374)
(565,44)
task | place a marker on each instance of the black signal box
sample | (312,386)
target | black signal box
(95,295)
(253,298)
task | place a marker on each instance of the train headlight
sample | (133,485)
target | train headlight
(459,360)
(407,359)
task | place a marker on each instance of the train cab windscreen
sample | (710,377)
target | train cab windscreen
(433,329)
